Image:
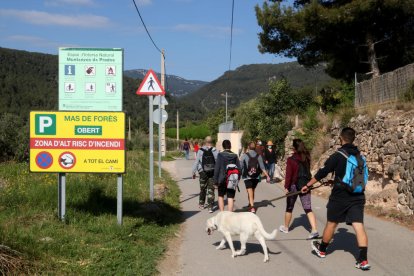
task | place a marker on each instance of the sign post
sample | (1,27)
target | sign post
(151,86)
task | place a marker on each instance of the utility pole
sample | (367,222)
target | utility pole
(178,132)
(226,107)
(162,125)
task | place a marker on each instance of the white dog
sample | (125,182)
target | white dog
(244,224)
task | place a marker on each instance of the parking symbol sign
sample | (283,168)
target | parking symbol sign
(45,124)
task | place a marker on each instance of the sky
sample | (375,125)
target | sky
(195,34)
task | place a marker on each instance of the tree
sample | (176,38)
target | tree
(266,116)
(365,36)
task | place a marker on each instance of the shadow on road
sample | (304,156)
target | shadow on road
(250,247)
(300,221)
(190,197)
(344,240)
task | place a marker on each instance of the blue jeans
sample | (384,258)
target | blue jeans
(187,154)
(270,167)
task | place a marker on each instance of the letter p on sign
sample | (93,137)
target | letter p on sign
(45,124)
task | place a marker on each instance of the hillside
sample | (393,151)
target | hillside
(248,81)
(177,86)
(29,81)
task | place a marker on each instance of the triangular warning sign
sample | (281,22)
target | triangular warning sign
(150,85)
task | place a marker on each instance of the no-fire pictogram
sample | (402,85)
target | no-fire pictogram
(67,160)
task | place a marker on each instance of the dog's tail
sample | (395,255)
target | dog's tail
(266,235)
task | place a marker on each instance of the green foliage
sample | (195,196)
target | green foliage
(311,122)
(246,83)
(266,116)
(14,138)
(215,119)
(90,242)
(408,96)
(310,129)
(350,36)
(336,95)
(189,132)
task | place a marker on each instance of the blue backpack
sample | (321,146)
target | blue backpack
(356,173)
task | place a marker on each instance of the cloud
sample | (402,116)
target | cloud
(44,18)
(70,2)
(206,30)
(36,41)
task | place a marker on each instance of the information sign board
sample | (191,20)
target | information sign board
(90,79)
(77,142)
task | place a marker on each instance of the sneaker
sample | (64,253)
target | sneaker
(363,265)
(252,209)
(210,210)
(313,235)
(201,206)
(315,247)
(283,229)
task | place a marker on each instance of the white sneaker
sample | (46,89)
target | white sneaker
(313,235)
(283,229)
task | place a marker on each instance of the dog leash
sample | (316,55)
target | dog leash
(267,202)
(299,192)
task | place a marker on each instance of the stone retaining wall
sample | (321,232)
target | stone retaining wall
(387,141)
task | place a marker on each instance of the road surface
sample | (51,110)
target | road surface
(390,250)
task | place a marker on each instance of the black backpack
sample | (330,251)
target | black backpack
(208,161)
(304,174)
(252,168)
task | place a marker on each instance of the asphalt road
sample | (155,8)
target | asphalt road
(390,250)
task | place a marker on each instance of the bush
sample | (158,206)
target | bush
(14,138)
(408,96)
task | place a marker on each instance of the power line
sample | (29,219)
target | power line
(231,32)
(143,23)
(155,45)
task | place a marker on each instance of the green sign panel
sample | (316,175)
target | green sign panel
(88,130)
(90,79)
(45,124)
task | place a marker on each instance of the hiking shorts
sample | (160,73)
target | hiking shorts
(251,183)
(348,212)
(222,191)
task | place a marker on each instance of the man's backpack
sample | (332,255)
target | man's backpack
(356,173)
(208,161)
(252,168)
(232,176)
(186,146)
(304,174)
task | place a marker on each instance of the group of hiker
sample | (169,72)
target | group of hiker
(223,171)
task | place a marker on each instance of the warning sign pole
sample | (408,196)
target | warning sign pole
(151,144)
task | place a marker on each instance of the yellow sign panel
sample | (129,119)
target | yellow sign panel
(77,142)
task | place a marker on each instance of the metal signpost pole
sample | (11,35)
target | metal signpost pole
(119,198)
(159,137)
(151,142)
(62,195)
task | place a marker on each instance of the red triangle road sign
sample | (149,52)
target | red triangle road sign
(150,85)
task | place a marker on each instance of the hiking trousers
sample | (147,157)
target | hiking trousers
(206,190)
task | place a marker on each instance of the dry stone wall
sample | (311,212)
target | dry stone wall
(387,141)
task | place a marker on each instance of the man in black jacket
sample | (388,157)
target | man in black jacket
(343,206)
(223,159)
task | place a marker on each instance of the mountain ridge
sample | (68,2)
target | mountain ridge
(176,85)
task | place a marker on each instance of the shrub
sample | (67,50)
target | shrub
(14,138)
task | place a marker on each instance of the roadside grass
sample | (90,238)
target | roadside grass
(89,241)
(173,155)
